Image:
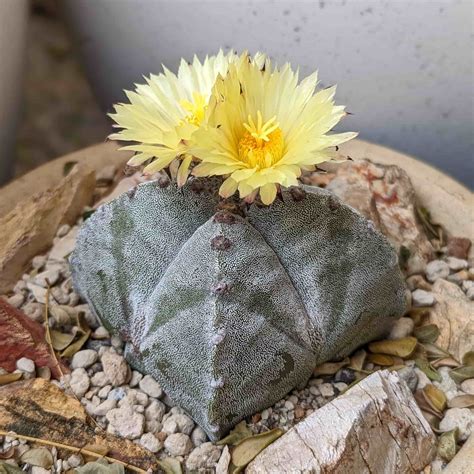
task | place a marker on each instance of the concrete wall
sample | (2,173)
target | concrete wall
(404,68)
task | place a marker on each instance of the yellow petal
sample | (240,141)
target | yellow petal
(183,171)
(268,193)
(228,187)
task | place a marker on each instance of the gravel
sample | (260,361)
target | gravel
(462,418)
(116,369)
(125,422)
(403,327)
(150,386)
(79,382)
(84,359)
(178,444)
(436,269)
(151,442)
(25,365)
(422,298)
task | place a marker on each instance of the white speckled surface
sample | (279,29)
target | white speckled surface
(403,67)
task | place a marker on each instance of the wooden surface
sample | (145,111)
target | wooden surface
(450,203)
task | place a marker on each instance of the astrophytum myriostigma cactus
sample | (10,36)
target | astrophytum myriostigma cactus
(230,311)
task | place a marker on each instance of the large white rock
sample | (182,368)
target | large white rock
(374,427)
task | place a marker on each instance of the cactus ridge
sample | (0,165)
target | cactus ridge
(231,312)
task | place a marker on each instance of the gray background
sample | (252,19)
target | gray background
(404,68)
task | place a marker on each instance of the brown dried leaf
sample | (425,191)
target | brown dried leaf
(40,457)
(76,346)
(468,358)
(330,368)
(462,401)
(447,444)
(427,333)
(381,359)
(170,466)
(445,362)
(60,340)
(400,347)
(9,378)
(435,397)
(462,373)
(239,433)
(248,448)
(9,453)
(425,406)
(95,448)
(358,360)
(435,352)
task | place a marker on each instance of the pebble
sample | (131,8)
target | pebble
(99,379)
(63,230)
(436,269)
(198,436)
(79,382)
(468,386)
(151,442)
(289,405)
(178,444)
(115,368)
(75,460)
(423,379)
(345,375)
(126,422)
(42,279)
(456,264)
(204,456)
(327,390)
(155,411)
(38,292)
(178,423)
(408,374)
(105,407)
(403,327)
(117,393)
(423,298)
(466,285)
(150,386)
(470,293)
(462,418)
(16,300)
(136,377)
(459,247)
(44,373)
(104,391)
(34,311)
(84,359)
(39,470)
(447,384)
(418,282)
(25,365)
(38,262)
(100,333)
(458,277)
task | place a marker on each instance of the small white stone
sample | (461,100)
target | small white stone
(99,379)
(79,382)
(155,411)
(105,407)
(468,386)
(436,269)
(63,230)
(470,293)
(150,386)
(104,391)
(265,414)
(100,333)
(39,293)
(84,358)
(126,422)
(326,389)
(136,377)
(178,444)
(289,405)
(198,436)
(38,262)
(314,390)
(42,279)
(178,423)
(402,327)
(423,379)
(151,442)
(39,470)
(16,300)
(467,284)
(422,298)
(116,368)
(447,385)
(203,457)
(25,365)
(75,460)
(456,264)
(462,418)
(34,311)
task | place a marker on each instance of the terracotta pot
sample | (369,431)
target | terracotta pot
(450,203)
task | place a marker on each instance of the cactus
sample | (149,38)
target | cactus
(230,312)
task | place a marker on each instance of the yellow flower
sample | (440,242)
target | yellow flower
(164,113)
(264,128)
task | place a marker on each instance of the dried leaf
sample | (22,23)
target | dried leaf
(248,448)
(447,444)
(445,362)
(401,347)
(358,360)
(422,402)
(60,315)
(435,397)
(462,373)
(60,340)
(432,419)
(462,401)
(427,369)
(41,457)
(9,453)
(239,433)
(435,352)
(170,466)
(468,358)
(427,333)
(6,468)
(76,346)
(100,467)
(82,323)
(9,378)
(381,359)
(330,368)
